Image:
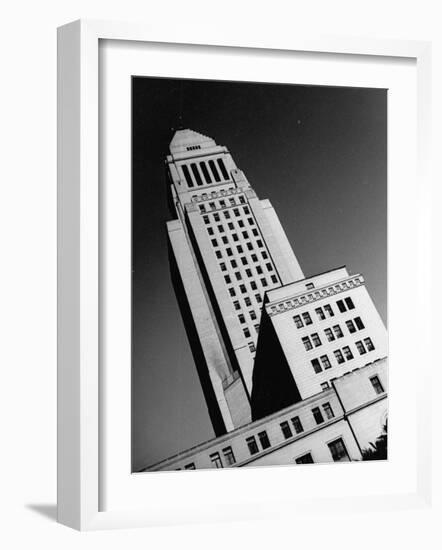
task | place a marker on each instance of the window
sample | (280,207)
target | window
(258,298)
(243,289)
(269,267)
(338,331)
(347,352)
(325,362)
(212,206)
(202,208)
(246,210)
(241,318)
(233,264)
(286,431)
(244,260)
(190,466)
(274,279)
(349,303)
(240,223)
(224,239)
(248,301)
(218,254)
(235,237)
(239,249)
(338,451)
(359,323)
(329,334)
(376,383)
(229,457)
(216,216)
(255,232)
(210,231)
(297,426)
(222,203)
(236,304)
(187,176)
(232,292)
(351,327)
(264,440)
(360,347)
(369,344)
(252,315)
(249,246)
(229,252)
(253,285)
(264,281)
(236,211)
(339,357)
(264,255)
(232,201)
(328,411)
(250,220)
(206,219)
(214,170)
(259,243)
(252,445)
(246,332)
(252,347)
(320,313)
(317,415)
(298,321)
(307,344)
(304,459)
(309,286)
(316,365)
(245,235)
(329,310)
(223,169)
(205,172)
(238,275)
(315,339)
(230,226)
(256,327)
(214,242)
(259,270)
(227,279)
(307,318)
(325,386)
(254,258)
(221,228)
(341,306)
(227,215)
(216,460)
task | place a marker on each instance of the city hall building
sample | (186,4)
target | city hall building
(293,368)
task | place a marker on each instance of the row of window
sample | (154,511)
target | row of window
(313,340)
(239,248)
(231,227)
(248,273)
(342,355)
(203,172)
(337,449)
(237,212)
(288,429)
(244,261)
(221,203)
(323,312)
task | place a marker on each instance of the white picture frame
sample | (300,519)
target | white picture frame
(79,264)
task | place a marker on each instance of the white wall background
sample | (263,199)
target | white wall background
(28,269)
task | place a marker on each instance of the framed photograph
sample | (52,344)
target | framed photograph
(234,222)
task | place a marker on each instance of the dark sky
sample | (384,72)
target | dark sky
(318,153)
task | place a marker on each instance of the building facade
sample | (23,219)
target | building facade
(287,363)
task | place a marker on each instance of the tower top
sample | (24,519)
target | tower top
(188,140)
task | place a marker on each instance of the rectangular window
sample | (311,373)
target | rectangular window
(236,305)
(309,286)
(360,347)
(252,445)
(238,275)
(248,272)
(328,411)
(259,243)
(259,270)
(223,266)
(349,303)
(307,318)
(233,264)
(212,206)
(264,440)
(325,362)
(250,220)
(246,210)
(338,451)
(246,332)
(297,425)
(376,383)
(307,344)
(252,315)
(298,321)
(187,175)
(351,327)
(240,223)
(227,215)
(320,313)
(286,431)
(274,279)
(347,352)
(232,292)
(218,254)
(248,301)
(202,208)
(205,172)
(256,327)
(254,258)
(315,339)
(244,260)
(317,415)
(216,460)
(255,232)
(242,200)
(229,457)
(230,226)
(206,219)
(245,235)
(243,288)
(222,203)
(216,216)
(229,252)
(253,285)
(316,365)
(304,459)
(190,466)
(329,310)
(210,231)
(236,211)
(325,386)
(252,347)
(223,169)
(341,306)
(269,267)
(241,318)
(329,334)
(338,331)
(264,255)
(214,242)
(224,239)
(359,323)
(369,344)
(339,357)
(264,282)
(227,279)
(249,246)
(232,202)
(258,298)
(235,237)
(239,249)
(214,170)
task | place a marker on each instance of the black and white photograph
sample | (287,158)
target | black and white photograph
(259,269)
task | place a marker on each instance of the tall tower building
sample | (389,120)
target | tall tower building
(227,249)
